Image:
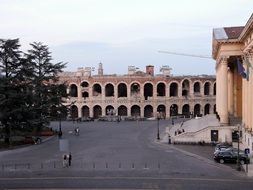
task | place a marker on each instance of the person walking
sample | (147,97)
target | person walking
(69,159)
(64,162)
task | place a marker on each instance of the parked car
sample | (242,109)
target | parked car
(221,147)
(230,156)
(87,119)
(32,140)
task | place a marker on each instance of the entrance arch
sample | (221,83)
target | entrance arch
(148,111)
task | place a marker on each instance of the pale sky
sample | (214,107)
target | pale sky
(120,33)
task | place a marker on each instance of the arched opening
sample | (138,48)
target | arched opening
(84,84)
(135,89)
(196,88)
(122,110)
(214,89)
(85,111)
(96,90)
(148,90)
(161,89)
(73,90)
(185,87)
(173,110)
(197,110)
(122,90)
(109,90)
(148,111)
(97,111)
(135,111)
(214,109)
(73,112)
(207,88)
(173,89)
(162,110)
(109,110)
(186,110)
(207,109)
(85,94)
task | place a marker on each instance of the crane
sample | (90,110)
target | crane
(186,54)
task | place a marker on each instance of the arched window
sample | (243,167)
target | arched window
(122,90)
(185,87)
(97,111)
(96,90)
(196,88)
(109,90)
(73,90)
(148,90)
(173,110)
(173,89)
(207,88)
(148,111)
(85,111)
(135,111)
(161,89)
(122,110)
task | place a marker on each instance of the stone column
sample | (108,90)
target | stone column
(251,89)
(217,89)
(230,93)
(223,80)
(79,108)
(79,93)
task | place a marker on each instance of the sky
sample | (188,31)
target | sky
(121,33)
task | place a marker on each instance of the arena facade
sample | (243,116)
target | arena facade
(138,94)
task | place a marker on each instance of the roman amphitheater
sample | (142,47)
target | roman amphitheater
(138,94)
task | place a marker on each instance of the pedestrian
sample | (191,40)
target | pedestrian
(64,162)
(69,159)
(60,134)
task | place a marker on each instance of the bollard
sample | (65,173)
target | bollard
(159,166)
(94,166)
(132,165)
(106,165)
(145,167)
(15,166)
(119,165)
(54,165)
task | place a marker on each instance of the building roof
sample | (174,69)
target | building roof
(227,33)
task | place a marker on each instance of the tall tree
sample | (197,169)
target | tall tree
(10,103)
(46,90)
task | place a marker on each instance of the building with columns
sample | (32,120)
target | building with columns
(138,94)
(233,52)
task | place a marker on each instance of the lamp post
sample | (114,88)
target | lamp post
(60,131)
(158,118)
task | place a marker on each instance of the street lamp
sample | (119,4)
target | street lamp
(158,118)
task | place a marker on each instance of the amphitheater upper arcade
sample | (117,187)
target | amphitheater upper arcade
(140,95)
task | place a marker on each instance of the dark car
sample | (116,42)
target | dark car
(32,140)
(221,147)
(230,156)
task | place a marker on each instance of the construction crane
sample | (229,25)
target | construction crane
(186,54)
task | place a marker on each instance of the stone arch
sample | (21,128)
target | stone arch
(122,110)
(135,111)
(97,111)
(73,90)
(161,89)
(109,110)
(135,88)
(214,89)
(186,109)
(85,111)
(196,87)
(197,109)
(173,110)
(85,94)
(207,109)
(96,89)
(74,111)
(122,90)
(162,109)
(148,90)
(207,86)
(109,90)
(148,111)
(85,84)
(185,87)
(173,89)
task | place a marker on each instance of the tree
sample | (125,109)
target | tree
(47,93)
(10,101)
(29,86)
